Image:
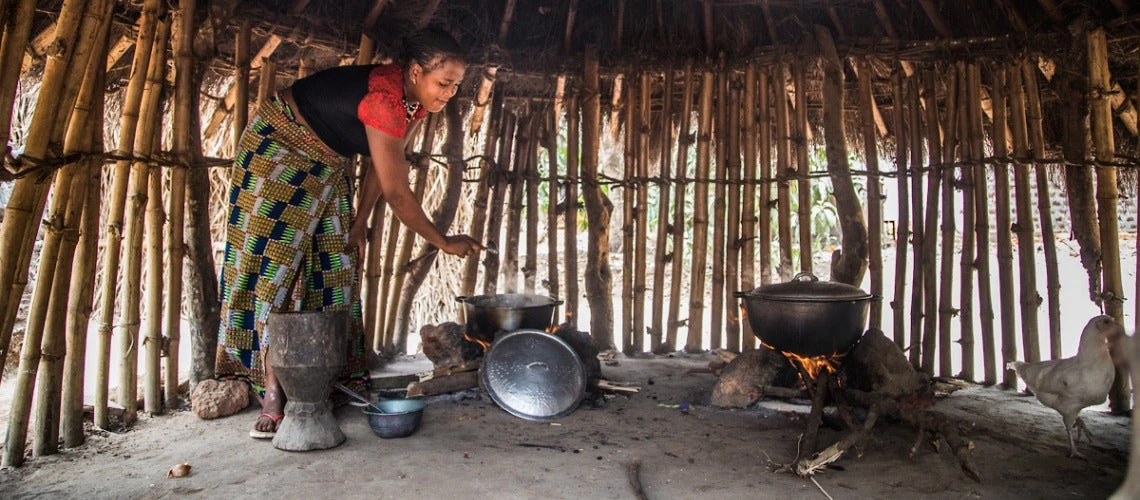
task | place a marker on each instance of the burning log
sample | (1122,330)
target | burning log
(444,384)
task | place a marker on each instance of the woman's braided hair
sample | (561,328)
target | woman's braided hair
(430,47)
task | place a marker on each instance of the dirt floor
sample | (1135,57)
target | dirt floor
(467,446)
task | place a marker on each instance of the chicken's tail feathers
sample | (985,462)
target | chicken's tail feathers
(1013,365)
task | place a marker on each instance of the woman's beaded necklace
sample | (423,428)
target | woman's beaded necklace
(409,109)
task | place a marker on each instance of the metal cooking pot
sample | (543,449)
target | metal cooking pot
(806,316)
(488,315)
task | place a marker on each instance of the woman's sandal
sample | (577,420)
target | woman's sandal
(256,434)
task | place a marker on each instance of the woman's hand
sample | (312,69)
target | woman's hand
(357,241)
(461,245)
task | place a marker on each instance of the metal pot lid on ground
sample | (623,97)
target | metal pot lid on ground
(533,375)
(805,287)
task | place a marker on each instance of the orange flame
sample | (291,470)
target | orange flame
(813,366)
(477,341)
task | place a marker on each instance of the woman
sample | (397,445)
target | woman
(292,241)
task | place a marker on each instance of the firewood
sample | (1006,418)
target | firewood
(394,381)
(445,384)
(610,385)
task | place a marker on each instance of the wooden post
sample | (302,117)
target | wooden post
(1026,249)
(553,186)
(946,273)
(732,236)
(676,273)
(929,254)
(201,278)
(241,81)
(803,166)
(700,217)
(628,219)
(482,193)
(22,214)
(902,224)
(266,81)
(151,333)
(130,317)
(11,55)
(113,230)
(967,261)
(530,265)
(573,139)
(520,171)
(783,171)
(599,283)
(916,215)
(1044,212)
(1002,229)
(661,255)
(717,219)
(748,218)
(764,233)
(1100,116)
(981,226)
(641,255)
(874,198)
(497,175)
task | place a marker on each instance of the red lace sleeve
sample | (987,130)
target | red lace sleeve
(382,108)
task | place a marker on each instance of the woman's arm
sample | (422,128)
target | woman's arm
(391,171)
(359,236)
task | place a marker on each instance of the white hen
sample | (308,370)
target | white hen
(1072,384)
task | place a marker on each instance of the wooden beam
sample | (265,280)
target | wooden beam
(227,103)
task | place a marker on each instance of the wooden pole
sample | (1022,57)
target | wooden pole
(916,215)
(228,102)
(573,139)
(783,171)
(732,236)
(1023,227)
(764,233)
(152,332)
(902,224)
(717,219)
(15,40)
(241,81)
(748,218)
(498,193)
(482,193)
(1002,229)
(1100,116)
(599,283)
(700,217)
(62,234)
(550,137)
(967,261)
(1048,240)
(981,226)
(203,307)
(530,265)
(51,115)
(515,203)
(803,166)
(266,82)
(130,317)
(874,198)
(930,250)
(641,255)
(661,248)
(113,229)
(676,272)
(628,219)
(948,227)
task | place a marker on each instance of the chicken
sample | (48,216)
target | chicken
(1072,384)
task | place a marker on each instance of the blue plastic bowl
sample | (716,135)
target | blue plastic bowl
(401,417)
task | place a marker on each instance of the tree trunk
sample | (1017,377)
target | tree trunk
(599,283)
(700,218)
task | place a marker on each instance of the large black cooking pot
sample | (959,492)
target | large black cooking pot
(806,316)
(487,315)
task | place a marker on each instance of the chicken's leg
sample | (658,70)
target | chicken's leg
(1071,428)
(1082,428)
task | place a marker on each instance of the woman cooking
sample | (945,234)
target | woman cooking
(292,240)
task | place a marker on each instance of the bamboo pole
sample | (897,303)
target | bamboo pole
(803,167)
(498,193)
(373,269)
(22,215)
(628,219)
(15,40)
(1023,227)
(981,227)
(748,219)
(571,221)
(902,224)
(732,236)
(783,171)
(874,198)
(700,217)
(916,215)
(51,115)
(515,202)
(660,249)
(1100,116)
(676,272)
(152,332)
(113,229)
(482,193)
(62,234)
(764,233)
(241,81)
(948,227)
(930,250)
(599,284)
(716,219)
(530,265)
(641,255)
(1002,230)
(1048,240)
(550,135)
(129,318)
(967,261)
(230,99)
(266,82)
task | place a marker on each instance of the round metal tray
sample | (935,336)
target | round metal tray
(533,375)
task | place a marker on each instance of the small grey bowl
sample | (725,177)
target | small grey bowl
(401,417)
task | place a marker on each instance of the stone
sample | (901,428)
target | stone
(740,382)
(213,398)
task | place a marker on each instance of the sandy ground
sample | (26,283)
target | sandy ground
(468,446)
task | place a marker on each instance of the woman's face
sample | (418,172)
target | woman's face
(435,87)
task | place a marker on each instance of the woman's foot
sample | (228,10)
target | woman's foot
(272,411)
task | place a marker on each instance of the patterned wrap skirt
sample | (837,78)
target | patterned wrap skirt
(290,212)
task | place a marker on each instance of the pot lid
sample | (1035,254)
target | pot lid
(806,287)
(508,301)
(533,375)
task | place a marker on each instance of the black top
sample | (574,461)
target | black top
(328,101)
